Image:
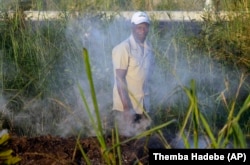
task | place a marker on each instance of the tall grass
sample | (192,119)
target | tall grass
(231,131)
(32,57)
(37,63)
(34,66)
(96,121)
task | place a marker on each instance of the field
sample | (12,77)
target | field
(56,83)
(61,151)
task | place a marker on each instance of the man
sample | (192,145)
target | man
(132,64)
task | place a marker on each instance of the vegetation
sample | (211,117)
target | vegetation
(40,65)
(6,156)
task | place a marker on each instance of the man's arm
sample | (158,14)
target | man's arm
(122,88)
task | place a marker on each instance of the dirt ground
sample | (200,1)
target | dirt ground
(50,150)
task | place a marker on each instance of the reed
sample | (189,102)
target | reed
(198,124)
(37,62)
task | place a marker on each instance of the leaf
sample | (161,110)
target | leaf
(5,153)
(12,160)
(4,138)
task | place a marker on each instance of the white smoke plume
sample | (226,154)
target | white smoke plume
(99,37)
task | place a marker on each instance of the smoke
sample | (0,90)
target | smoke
(66,114)
(92,33)
(167,86)
(99,37)
(176,69)
(212,80)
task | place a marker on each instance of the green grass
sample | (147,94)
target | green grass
(40,65)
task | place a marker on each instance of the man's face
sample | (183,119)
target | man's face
(140,31)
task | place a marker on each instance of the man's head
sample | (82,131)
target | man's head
(140,17)
(140,26)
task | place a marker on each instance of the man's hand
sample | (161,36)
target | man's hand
(137,118)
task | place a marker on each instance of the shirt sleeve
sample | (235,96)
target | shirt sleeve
(120,57)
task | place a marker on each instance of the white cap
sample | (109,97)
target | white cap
(140,17)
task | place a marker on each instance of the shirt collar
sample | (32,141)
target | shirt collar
(134,44)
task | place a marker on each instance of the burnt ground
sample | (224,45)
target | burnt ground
(51,150)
